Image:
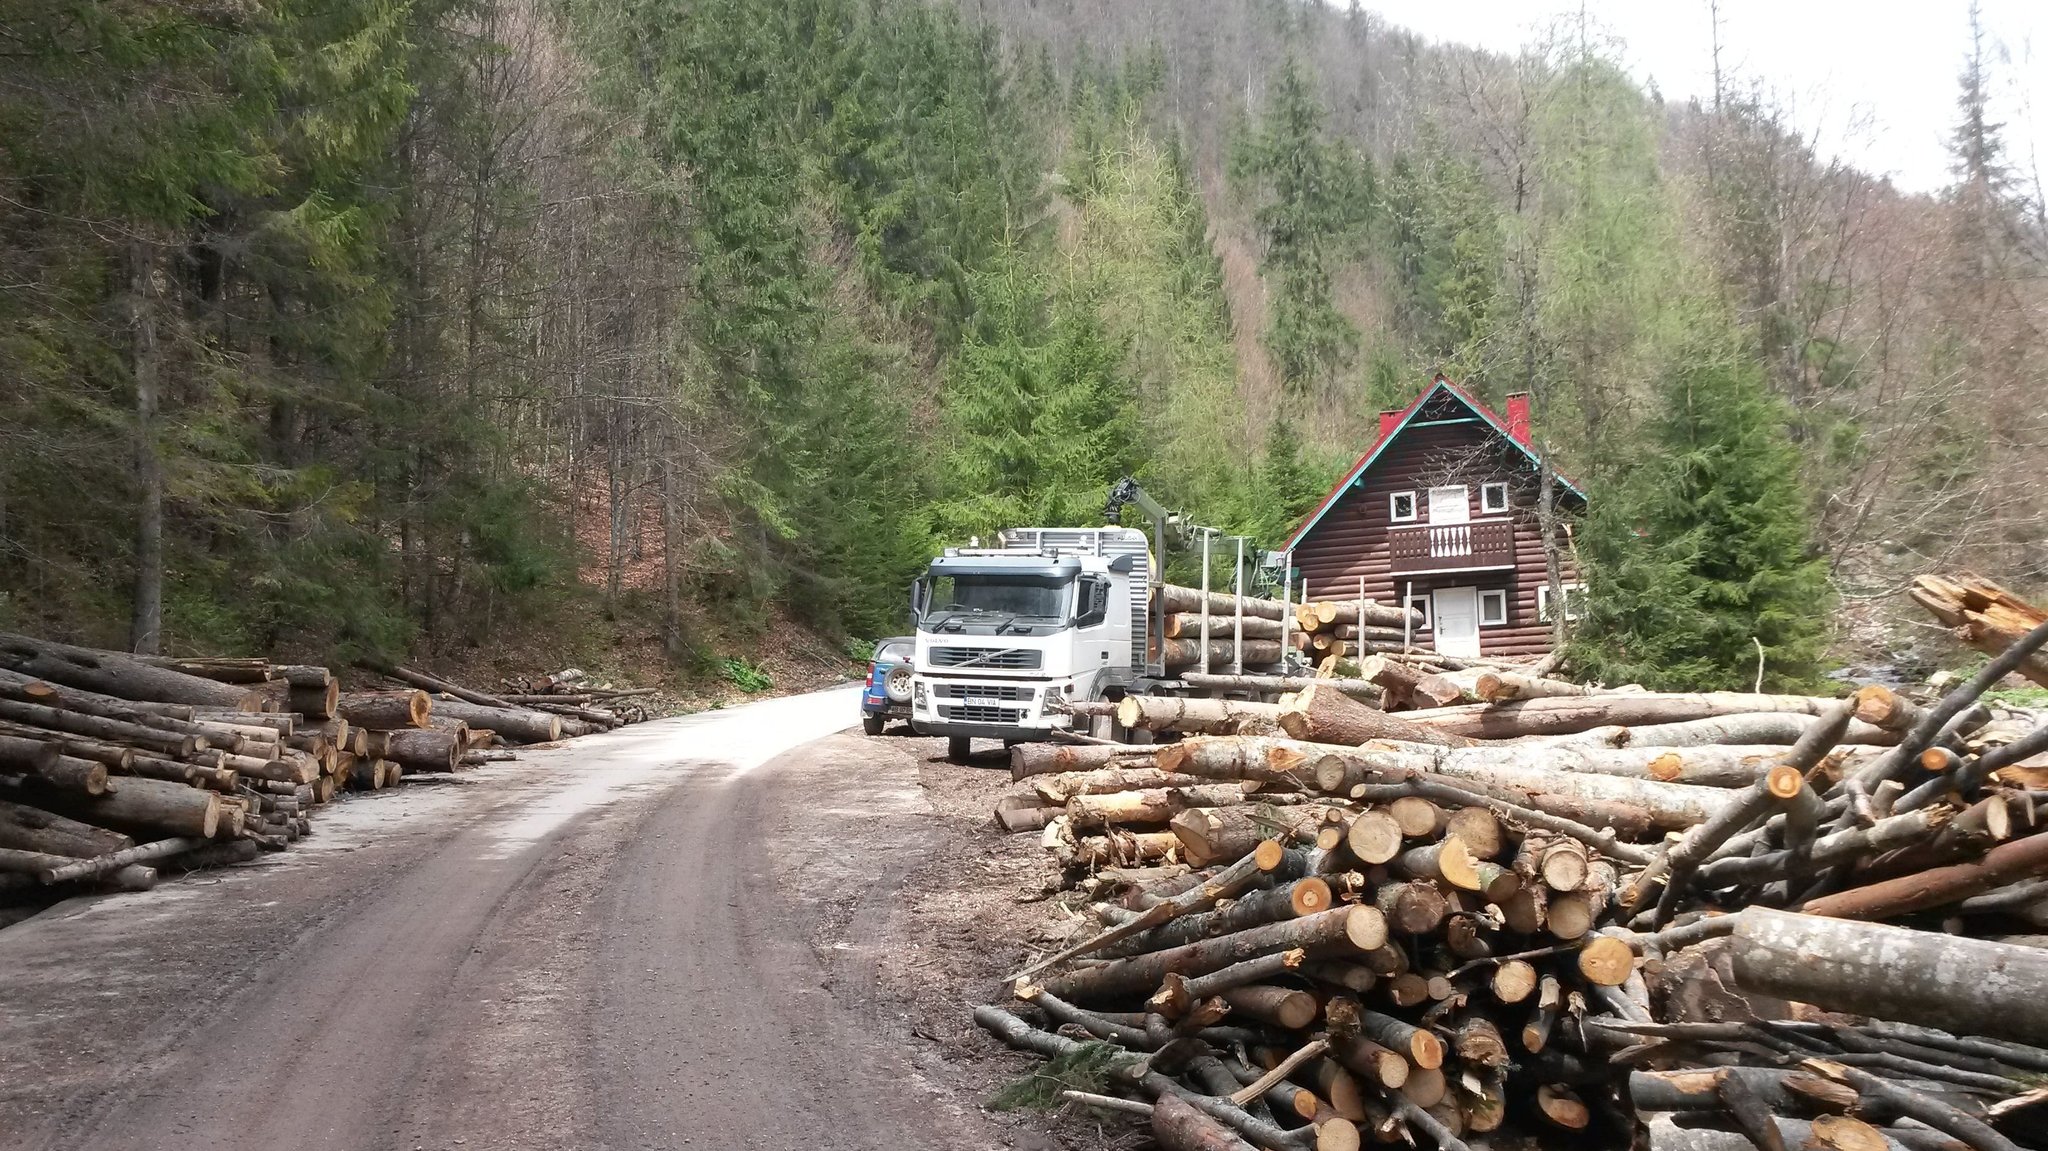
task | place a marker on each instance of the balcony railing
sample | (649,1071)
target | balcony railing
(1452,547)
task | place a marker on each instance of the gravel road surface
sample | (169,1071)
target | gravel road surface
(661,937)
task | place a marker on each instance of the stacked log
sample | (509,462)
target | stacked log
(585,705)
(1511,920)
(1263,624)
(113,767)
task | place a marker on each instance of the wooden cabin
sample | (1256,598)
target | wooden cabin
(1440,513)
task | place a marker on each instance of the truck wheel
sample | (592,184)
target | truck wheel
(873,724)
(959,748)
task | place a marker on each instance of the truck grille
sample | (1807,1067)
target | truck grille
(992,657)
(979,713)
(1009,692)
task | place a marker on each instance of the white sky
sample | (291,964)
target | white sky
(1876,80)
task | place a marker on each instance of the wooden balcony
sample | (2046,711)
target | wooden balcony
(1471,546)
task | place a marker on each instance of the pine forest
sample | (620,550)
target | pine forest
(360,328)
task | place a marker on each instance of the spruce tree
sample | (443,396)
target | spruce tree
(1314,195)
(1703,551)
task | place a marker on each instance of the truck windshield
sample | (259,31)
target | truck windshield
(973,599)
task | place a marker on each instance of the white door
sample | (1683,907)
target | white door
(1457,621)
(1449,505)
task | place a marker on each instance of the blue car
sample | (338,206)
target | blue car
(888,692)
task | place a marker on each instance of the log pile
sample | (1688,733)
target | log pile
(114,768)
(1560,916)
(1263,623)
(582,708)
(571,692)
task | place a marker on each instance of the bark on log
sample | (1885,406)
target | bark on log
(1327,932)
(1188,652)
(29,690)
(1895,973)
(1066,785)
(514,725)
(1501,686)
(145,805)
(111,862)
(1156,805)
(28,756)
(1318,714)
(1194,715)
(1714,765)
(1219,834)
(314,701)
(1178,1126)
(385,710)
(1935,887)
(96,727)
(27,828)
(421,749)
(1189,626)
(1255,909)
(1566,716)
(1179,600)
(1779,1089)
(112,673)
(1332,613)
(419,679)
(1359,689)
(1829,1133)
(1766,727)
(1671,806)
(1029,759)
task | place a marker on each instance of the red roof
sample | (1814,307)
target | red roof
(1440,383)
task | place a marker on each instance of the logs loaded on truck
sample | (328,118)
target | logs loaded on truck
(114,767)
(1559,916)
(1023,641)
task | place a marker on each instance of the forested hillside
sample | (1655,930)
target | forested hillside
(370,325)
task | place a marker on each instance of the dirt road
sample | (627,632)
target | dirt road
(662,937)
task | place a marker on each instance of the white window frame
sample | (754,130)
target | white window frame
(1423,601)
(1543,601)
(1497,596)
(1486,494)
(1394,508)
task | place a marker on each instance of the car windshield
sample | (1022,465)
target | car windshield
(893,653)
(983,597)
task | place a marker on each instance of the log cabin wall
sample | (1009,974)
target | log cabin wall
(1352,539)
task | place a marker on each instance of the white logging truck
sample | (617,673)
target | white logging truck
(1010,636)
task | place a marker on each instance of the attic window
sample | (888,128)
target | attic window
(1493,498)
(1401,507)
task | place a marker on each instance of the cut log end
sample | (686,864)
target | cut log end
(1784,781)
(1269,855)
(1365,927)
(1562,1106)
(1514,981)
(1606,961)
(1375,836)
(1309,896)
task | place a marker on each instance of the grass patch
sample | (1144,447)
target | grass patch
(2020,696)
(1085,1068)
(748,677)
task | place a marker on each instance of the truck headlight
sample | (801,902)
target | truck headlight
(917,695)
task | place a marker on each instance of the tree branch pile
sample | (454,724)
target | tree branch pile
(1563,916)
(116,767)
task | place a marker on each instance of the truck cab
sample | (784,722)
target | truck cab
(1052,614)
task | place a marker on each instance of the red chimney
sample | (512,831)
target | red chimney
(1388,419)
(1518,417)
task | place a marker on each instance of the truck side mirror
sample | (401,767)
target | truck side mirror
(919,596)
(1094,603)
